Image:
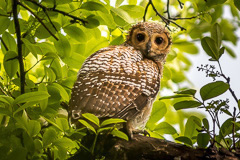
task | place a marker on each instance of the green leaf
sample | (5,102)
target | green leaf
(187,91)
(239,104)
(31,96)
(64,142)
(49,73)
(49,136)
(9,42)
(134,11)
(42,33)
(118,3)
(205,123)
(94,6)
(86,124)
(165,128)
(230,52)
(186,104)
(33,48)
(10,63)
(6,99)
(186,46)
(33,128)
(63,47)
(191,127)
(76,33)
(91,117)
(210,47)
(50,55)
(167,73)
(175,96)
(43,103)
(54,124)
(117,41)
(123,15)
(4,21)
(62,91)
(92,22)
(213,89)
(203,139)
(119,134)
(184,140)
(26,105)
(158,111)
(171,56)
(62,123)
(237,4)
(112,121)
(227,127)
(210,3)
(216,34)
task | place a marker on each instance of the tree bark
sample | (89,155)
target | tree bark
(147,148)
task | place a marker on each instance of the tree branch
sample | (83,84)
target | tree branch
(170,19)
(19,45)
(39,19)
(59,11)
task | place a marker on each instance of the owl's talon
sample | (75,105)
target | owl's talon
(144,132)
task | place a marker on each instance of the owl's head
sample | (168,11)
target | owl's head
(152,39)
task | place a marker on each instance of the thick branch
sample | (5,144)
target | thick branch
(59,11)
(147,148)
(19,45)
(39,19)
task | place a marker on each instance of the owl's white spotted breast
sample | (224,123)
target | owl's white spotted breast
(112,80)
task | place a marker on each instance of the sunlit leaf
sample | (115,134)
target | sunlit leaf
(63,46)
(213,89)
(91,117)
(186,104)
(76,33)
(187,91)
(94,6)
(31,96)
(4,21)
(49,136)
(216,34)
(112,121)
(11,63)
(86,124)
(210,47)
(165,128)
(119,134)
(158,111)
(134,11)
(191,127)
(62,123)
(175,96)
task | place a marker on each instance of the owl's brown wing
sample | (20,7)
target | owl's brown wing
(114,82)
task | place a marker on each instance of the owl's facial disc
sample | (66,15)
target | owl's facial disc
(154,42)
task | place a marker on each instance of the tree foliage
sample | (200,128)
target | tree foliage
(45,42)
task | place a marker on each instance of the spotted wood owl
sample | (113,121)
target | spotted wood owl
(123,81)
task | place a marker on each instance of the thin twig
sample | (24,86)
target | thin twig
(2,90)
(59,11)
(180,4)
(233,129)
(19,45)
(39,19)
(145,12)
(228,81)
(4,15)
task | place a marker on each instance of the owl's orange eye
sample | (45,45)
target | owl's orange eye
(159,40)
(140,37)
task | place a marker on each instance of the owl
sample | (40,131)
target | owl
(122,81)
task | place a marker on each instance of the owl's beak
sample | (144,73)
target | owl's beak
(149,46)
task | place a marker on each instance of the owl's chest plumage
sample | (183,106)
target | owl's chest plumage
(116,81)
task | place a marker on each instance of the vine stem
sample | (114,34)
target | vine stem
(19,45)
(228,81)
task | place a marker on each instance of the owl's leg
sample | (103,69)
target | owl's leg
(130,130)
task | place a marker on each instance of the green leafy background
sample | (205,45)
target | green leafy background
(35,124)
